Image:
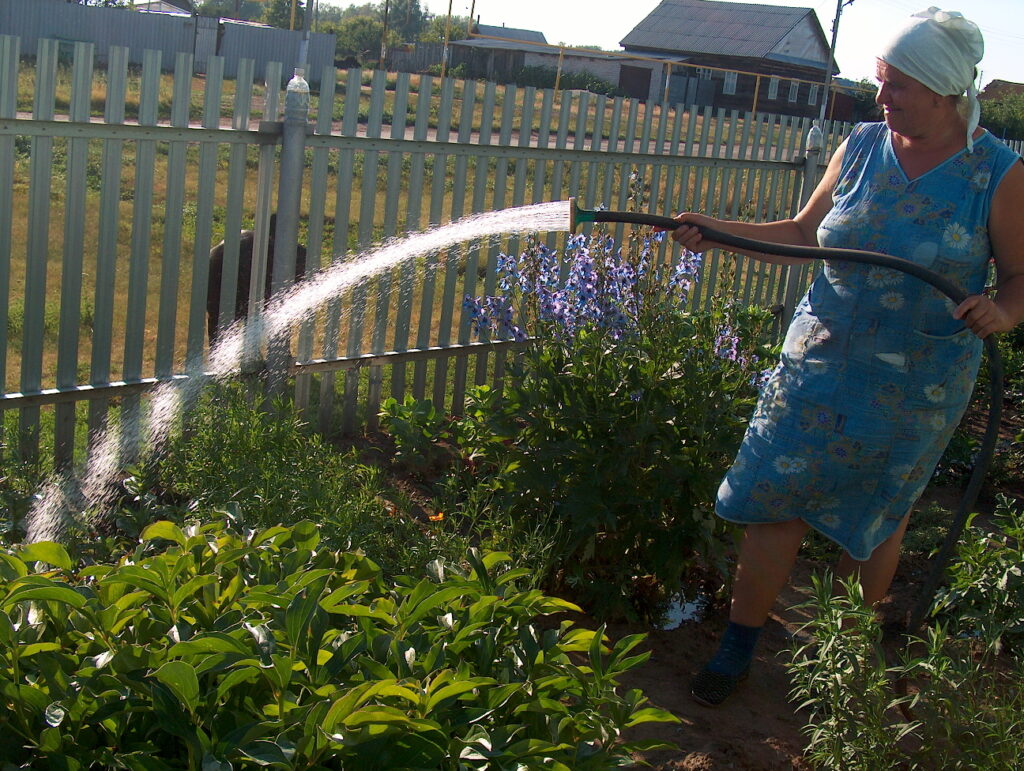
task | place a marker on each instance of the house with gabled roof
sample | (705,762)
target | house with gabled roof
(736,55)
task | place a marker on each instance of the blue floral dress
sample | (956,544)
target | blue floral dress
(875,373)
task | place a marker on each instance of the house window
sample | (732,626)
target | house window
(794,90)
(730,83)
(773,88)
(704,73)
(812,94)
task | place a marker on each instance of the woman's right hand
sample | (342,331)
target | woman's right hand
(688,234)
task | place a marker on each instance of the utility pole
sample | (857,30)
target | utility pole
(384,34)
(831,56)
(447,34)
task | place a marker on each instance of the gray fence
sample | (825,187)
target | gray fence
(170,34)
(115,183)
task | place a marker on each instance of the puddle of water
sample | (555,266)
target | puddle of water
(681,610)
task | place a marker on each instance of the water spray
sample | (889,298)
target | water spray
(579,216)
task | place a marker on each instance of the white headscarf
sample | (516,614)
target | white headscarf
(940,49)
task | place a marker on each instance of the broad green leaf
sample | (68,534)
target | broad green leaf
(456,689)
(305,534)
(266,753)
(342,593)
(437,599)
(33,648)
(190,587)
(651,715)
(246,674)
(359,611)
(49,739)
(268,535)
(181,678)
(11,567)
(214,642)
(210,763)
(7,632)
(47,551)
(166,530)
(55,593)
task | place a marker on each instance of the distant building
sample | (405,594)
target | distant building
(1000,89)
(736,55)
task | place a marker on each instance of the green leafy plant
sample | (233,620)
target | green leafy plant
(961,707)
(985,592)
(621,416)
(205,647)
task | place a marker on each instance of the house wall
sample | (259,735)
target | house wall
(803,42)
(743,99)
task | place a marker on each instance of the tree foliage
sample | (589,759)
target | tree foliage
(245,10)
(1004,117)
(279,14)
(433,30)
(360,37)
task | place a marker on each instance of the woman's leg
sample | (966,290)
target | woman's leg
(876,572)
(766,559)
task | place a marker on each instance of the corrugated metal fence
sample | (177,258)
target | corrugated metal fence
(115,183)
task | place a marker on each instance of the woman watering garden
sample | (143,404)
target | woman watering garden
(877,367)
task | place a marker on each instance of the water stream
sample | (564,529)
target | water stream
(93,488)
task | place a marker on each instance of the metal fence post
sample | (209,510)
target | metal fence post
(286,234)
(795,273)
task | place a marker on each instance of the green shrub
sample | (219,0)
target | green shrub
(279,471)
(962,707)
(209,648)
(985,592)
(545,77)
(621,416)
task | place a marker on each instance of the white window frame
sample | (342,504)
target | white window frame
(773,87)
(704,73)
(730,83)
(794,90)
(812,94)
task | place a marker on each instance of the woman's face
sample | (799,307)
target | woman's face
(910,107)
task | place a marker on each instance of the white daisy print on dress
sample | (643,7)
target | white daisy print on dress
(955,237)
(892,301)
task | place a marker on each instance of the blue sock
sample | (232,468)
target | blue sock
(736,649)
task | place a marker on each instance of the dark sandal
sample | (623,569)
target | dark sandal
(712,688)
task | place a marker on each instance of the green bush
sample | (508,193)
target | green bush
(985,592)
(619,419)
(962,707)
(232,451)
(209,648)
(545,77)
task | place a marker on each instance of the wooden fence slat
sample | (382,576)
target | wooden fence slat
(38,247)
(439,176)
(175,204)
(315,231)
(342,220)
(407,271)
(471,252)
(452,261)
(68,342)
(106,252)
(141,240)
(205,197)
(9,58)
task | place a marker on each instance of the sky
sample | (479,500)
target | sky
(605,22)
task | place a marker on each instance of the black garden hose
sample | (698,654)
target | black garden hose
(944,285)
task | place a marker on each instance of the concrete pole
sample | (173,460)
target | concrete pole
(289,196)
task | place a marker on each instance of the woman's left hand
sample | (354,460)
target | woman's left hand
(983,316)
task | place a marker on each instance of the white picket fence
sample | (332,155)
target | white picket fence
(114,185)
